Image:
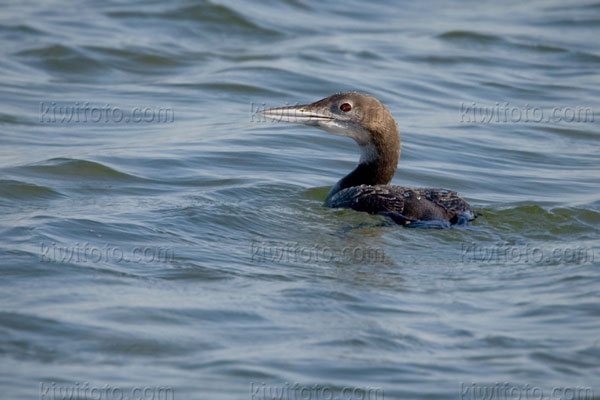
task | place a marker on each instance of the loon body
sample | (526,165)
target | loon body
(366,188)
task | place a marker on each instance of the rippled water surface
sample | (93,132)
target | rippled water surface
(192,252)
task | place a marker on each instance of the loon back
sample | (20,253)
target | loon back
(404,205)
(366,120)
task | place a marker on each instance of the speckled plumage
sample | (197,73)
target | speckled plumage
(403,204)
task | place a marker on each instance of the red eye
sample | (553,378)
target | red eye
(345,107)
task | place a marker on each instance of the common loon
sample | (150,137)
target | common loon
(366,120)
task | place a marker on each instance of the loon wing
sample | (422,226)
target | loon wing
(403,204)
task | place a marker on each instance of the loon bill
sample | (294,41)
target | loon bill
(366,120)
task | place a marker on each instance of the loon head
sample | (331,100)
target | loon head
(358,116)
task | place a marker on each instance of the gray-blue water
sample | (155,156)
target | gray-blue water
(155,234)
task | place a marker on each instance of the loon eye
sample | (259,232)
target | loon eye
(345,107)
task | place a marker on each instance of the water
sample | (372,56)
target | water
(193,253)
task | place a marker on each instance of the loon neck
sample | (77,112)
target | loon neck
(377,165)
